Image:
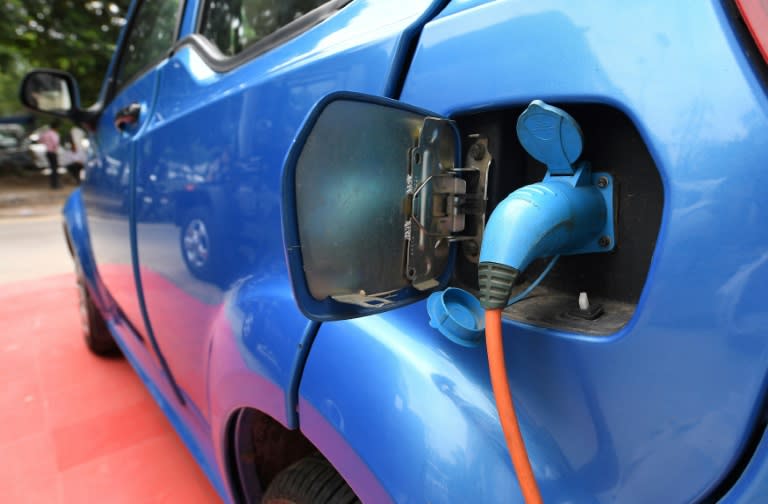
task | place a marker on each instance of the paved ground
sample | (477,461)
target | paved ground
(32,247)
(75,428)
(30,196)
(31,241)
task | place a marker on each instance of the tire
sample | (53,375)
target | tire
(311,480)
(98,339)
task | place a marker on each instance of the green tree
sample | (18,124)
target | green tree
(75,36)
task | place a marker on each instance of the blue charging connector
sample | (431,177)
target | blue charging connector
(569,212)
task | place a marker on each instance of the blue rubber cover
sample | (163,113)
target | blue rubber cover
(550,135)
(458,315)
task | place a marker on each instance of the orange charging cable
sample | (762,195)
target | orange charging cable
(506,408)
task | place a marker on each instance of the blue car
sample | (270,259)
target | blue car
(302,221)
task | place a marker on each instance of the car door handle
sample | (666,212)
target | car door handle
(127,116)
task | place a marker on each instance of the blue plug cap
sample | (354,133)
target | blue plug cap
(550,135)
(458,315)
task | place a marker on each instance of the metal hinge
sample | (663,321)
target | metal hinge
(443,203)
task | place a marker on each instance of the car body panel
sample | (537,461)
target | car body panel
(242,337)
(752,485)
(422,403)
(404,414)
(79,242)
(213,150)
(107,194)
(195,436)
(682,385)
(138,354)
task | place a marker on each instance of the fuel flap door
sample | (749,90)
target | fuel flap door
(373,200)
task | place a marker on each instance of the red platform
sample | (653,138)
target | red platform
(76,428)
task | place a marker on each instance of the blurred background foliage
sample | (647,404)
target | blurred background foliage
(76,36)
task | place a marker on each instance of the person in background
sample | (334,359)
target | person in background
(76,160)
(50,138)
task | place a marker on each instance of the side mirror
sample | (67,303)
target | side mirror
(51,92)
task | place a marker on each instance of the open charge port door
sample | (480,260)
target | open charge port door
(374,200)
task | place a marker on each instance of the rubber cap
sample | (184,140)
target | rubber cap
(458,315)
(550,135)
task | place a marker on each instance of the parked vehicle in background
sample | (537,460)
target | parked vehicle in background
(14,153)
(273,189)
(74,152)
(37,151)
(10,135)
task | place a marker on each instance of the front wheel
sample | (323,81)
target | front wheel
(311,480)
(98,339)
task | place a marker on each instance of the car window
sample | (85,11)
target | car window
(233,25)
(150,37)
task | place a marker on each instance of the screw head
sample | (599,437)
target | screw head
(604,241)
(602,182)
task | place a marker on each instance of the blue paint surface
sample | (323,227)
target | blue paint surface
(681,385)
(605,419)
(659,412)
(210,147)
